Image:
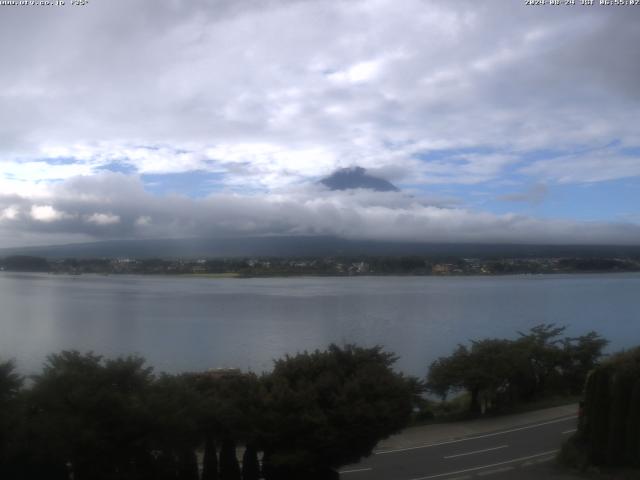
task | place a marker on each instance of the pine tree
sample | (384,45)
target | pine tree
(210,460)
(188,466)
(597,410)
(611,428)
(632,437)
(229,468)
(250,465)
(621,390)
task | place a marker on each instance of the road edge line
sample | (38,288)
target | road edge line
(487,466)
(476,437)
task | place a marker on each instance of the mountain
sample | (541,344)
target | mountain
(309,246)
(357,177)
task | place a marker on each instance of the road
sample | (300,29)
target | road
(514,452)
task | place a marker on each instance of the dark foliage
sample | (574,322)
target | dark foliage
(500,372)
(229,467)
(10,384)
(210,459)
(99,419)
(611,427)
(250,464)
(24,263)
(326,409)
(92,414)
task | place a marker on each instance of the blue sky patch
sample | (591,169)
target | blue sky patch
(196,184)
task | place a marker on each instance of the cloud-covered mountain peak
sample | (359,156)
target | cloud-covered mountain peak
(357,177)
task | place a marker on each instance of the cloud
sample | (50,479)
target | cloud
(264,98)
(271,92)
(359,214)
(9,213)
(358,73)
(600,166)
(143,221)
(103,218)
(46,213)
(43,170)
(469,168)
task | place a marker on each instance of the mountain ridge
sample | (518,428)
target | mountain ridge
(357,177)
(305,246)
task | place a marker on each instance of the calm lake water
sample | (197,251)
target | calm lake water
(183,324)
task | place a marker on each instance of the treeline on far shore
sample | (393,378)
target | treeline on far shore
(87,417)
(342,265)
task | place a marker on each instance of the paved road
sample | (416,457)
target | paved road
(514,452)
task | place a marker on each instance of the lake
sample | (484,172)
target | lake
(186,323)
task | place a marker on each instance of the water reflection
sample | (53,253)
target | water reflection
(191,323)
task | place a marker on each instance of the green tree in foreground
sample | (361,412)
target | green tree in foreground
(90,418)
(10,382)
(330,408)
(250,464)
(581,355)
(499,372)
(10,385)
(483,370)
(229,467)
(610,430)
(230,405)
(91,414)
(210,459)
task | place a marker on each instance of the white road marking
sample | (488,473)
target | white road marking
(567,432)
(564,419)
(544,460)
(495,470)
(477,451)
(486,466)
(356,470)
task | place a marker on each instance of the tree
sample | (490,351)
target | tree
(485,371)
(92,414)
(330,408)
(210,459)
(230,406)
(250,464)
(498,372)
(446,374)
(229,467)
(188,464)
(611,430)
(24,263)
(175,432)
(544,356)
(10,382)
(494,364)
(10,418)
(581,355)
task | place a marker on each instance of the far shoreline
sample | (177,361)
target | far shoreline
(234,275)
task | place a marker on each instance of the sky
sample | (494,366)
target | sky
(498,121)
